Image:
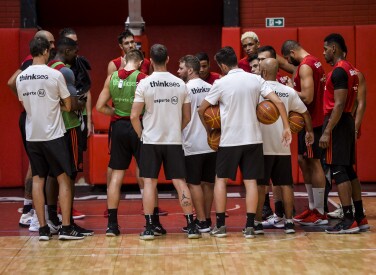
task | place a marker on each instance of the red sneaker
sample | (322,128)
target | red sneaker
(363,224)
(315,219)
(75,213)
(161,212)
(302,215)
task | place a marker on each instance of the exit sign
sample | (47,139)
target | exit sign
(275,22)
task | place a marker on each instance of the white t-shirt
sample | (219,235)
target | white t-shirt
(164,95)
(272,133)
(194,134)
(40,88)
(238,94)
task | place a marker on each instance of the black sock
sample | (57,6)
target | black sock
(149,220)
(65,227)
(347,212)
(208,221)
(359,214)
(156,216)
(250,220)
(220,219)
(52,214)
(189,218)
(267,200)
(112,215)
(279,210)
(26,208)
(328,187)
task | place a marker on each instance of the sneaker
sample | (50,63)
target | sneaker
(248,232)
(44,233)
(162,212)
(34,224)
(275,221)
(83,231)
(363,224)
(159,230)
(53,227)
(70,234)
(219,232)
(302,215)
(258,229)
(148,234)
(77,214)
(193,232)
(105,213)
(336,214)
(25,219)
(345,226)
(316,218)
(112,230)
(266,212)
(202,226)
(289,228)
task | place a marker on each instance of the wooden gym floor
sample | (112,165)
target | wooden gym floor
(309,251)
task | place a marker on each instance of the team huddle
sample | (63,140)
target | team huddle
(159,118)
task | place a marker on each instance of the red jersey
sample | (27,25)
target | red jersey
(315,108)
(352,88)
(144,67)
(281,79)
(244,64)
(212,77)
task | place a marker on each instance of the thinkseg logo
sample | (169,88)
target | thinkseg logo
(33,77)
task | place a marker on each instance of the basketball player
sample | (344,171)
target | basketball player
(44,94)
(277,159)
(205,73)
(199,157)
(339,131)
(309,84)
(254,64)
(238,94)
(167,112)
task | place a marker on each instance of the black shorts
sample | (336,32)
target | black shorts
(341,150)
(49,157)
(124,144)
(73,142)
(312,151)
(250,159)
(22,126)
(278,169)
(200,168)
(152,156)
(84,134)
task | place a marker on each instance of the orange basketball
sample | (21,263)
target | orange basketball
(213,139)
(267,112)
(296,122)
(212,117)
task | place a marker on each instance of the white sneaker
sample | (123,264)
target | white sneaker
(34,224)
(275,221)
(25,219)
(338,213)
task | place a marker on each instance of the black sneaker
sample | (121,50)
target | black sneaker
(159,230)
(345,226)
(70,234)
(83,231)
(112,230)
(266,212)
(202,226)
(289,228)
(148,234)
(258,229)
(193,232)
(44,233)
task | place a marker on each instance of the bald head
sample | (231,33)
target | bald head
(269,69)
(48,36)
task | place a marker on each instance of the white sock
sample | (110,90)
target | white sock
(310,196)
(28,202)
(318,196)
(142,192)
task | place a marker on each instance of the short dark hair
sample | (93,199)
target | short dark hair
(135,55)
(338,39)
(252,57)
(38,45)
(191,62)
(66,31)
(64,43)
(202,56)
(288,46)
(123,35)
(226,56)
(158,53)
(269,49)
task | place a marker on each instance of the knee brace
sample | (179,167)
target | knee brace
(339,173)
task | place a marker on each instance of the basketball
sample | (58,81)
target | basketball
(267,112)
(212,117)
(214,138)
(296,122)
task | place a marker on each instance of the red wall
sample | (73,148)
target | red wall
(301,13)
(9,13)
